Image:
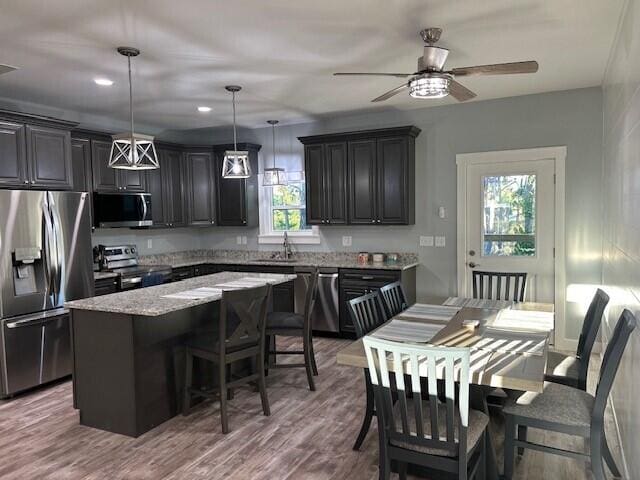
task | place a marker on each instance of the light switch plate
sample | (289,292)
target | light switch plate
(244,240)
(347,241)
(239,240)
(426,240)
(440,241)
(149,243)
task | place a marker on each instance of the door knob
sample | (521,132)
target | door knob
(472,253)
(472,264)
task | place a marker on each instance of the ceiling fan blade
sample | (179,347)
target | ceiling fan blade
(460,92)
(399,75)
(390,93)
(497,69)
(6,68)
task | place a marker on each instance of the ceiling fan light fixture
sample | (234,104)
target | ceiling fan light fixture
(429,86)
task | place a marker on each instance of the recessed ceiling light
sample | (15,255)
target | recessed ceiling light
(103,82)
(204,109)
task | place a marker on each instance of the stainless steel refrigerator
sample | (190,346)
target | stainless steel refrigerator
(45,260)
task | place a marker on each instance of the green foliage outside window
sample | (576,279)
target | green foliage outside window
(288,207)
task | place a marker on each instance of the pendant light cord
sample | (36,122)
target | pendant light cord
(130,97)
(235,146)
(273,130)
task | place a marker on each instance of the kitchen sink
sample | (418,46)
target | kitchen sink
(274,260)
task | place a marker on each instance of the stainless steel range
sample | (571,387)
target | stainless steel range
(123,260)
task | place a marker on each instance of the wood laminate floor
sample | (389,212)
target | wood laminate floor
(308,436)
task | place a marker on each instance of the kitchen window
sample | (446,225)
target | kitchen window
(283,209)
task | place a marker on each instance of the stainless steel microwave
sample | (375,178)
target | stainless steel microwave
(122,210)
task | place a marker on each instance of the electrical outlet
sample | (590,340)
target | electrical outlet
(149,243)
(244,240)
(347,241)
(440,241)
(239,240)
(426,240)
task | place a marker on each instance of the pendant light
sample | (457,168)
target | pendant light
(129,150)
(236,162)
(274,176)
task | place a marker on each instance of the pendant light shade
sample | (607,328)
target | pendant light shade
(130,150)
(274,176)
(236,162)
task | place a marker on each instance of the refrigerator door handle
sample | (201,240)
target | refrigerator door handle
(59,251)
(47,246)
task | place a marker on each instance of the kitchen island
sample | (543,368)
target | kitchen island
(128,362)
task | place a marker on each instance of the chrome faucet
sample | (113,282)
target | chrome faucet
(287,247)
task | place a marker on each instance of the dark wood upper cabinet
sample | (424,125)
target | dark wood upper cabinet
(365,177)
(201,185)
(156,187)
(13,156)
(174,187)
(237,199)
(105,179)
(362,179)
(81,164)
(49,155)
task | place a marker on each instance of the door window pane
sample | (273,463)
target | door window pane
(509,215)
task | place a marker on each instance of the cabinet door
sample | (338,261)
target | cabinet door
(132,180)
(81,168)
(156,187)
(200,191)
(362,181)
(232,197)
(13,158)
(105,179)
(49,154)
(173,174)
(393,180)
(335,171)
(314,179)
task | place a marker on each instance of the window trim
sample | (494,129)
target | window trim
(268,236)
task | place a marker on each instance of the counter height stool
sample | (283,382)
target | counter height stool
(367,313)
(568,410)
(290,324)
(246,309)
(395,300)
(570,370)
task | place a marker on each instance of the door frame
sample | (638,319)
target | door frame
(558,155)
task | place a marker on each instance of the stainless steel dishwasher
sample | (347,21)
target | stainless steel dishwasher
(325,315)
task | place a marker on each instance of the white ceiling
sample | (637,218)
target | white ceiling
(283,53)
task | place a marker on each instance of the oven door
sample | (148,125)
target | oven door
(122,210)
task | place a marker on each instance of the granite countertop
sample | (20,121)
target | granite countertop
(150,301)
(103,275)
(301,259)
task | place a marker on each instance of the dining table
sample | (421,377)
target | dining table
(508,344)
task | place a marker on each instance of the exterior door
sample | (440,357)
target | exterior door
(510,223)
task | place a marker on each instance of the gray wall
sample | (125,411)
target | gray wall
(572,118)
(621,264)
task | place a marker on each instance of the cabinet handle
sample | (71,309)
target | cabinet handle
(32,182)
(373,221)
(379,221)
(26,181)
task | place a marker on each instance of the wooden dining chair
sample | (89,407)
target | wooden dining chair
(499,285)
(395,300)
(241,336)
(572,370)
(290,324)
(568,410)
(446,436)
(367,313)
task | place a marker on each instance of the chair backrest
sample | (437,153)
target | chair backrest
(310,299)
(590,327)
(421,362)
(610,363)
(367,313)
(394,298)
(243,315)
(499,285)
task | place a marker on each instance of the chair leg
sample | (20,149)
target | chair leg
(368,414)
(402,470)
(262,386)
(307,364)
(522,435)
(384,468)
(229,390)
(608,457)
(313,355)
(597,467)
(188,381)
(481,473)
(223,398)
(509,446)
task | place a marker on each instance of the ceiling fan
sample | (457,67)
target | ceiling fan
(6,68)
(431,81)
